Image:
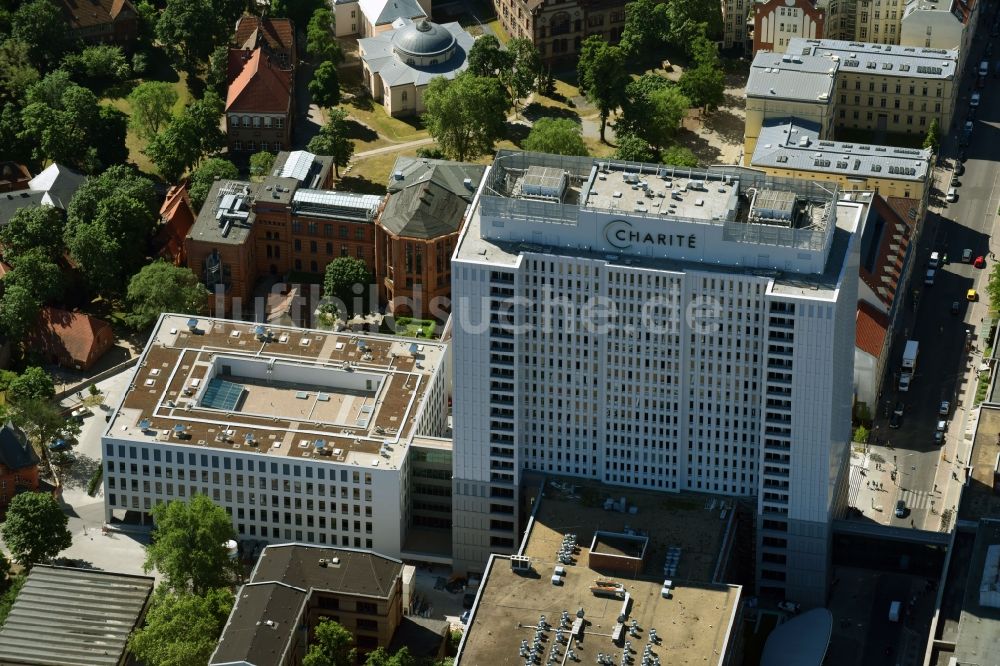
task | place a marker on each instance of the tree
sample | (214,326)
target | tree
(705,52)
(109,221)
(703,86)
(632,148)
(34,227)
(189,545)
(181,629)
(992,289)
(653,110)
(32,384)
(325,85)
(933,138)
(38,273)
(152,104)
(218,69)
(602,76)
(320,42)
(188,138)
(332,646)
(679,156)
(191,29)
(35,528)
(42,421)
(465,115)
(341,275)
(299,11)
(98,65)
(4,572)
(17,71)
(381,657)
(524,72)
(209,171)
(108,136)
(162,287)
(560,136)
(332,140)
(646,29)
(260,165)
(687,20)
(487,57)
(19,309)
(41,25)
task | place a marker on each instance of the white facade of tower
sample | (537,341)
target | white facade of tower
(708,347)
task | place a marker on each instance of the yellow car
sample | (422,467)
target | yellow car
(971,295)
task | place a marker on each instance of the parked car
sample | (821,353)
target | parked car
(80,413)
(929,277)
(900,509)
(951,196)
(938,437)
(956,307)
(60,445)
(899,408)
(895,421)
(974,101)
(955,182)
(972,295)
(967,255)
(904,382)
(959,168)
(980,262)
(942,425)
(944,408)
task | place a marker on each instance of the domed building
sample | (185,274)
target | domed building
(398,64)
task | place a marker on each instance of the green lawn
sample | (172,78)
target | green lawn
(133,142)
(415,328)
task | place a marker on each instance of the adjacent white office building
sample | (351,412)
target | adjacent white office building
(301,435)
(656,328)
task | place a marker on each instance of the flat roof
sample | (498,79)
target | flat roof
(804,78)
(695,623)
(792,144)
(978,499)
(278,391)
(73,617)
(979,626)
(880,59)
(227,215)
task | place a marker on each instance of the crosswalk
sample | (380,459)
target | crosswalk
(918,499)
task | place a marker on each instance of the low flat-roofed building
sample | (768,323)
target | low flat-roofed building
(301,435)
(979,623)
(294,587)
(788,86)
(73,617)
(793,148)
(682,543)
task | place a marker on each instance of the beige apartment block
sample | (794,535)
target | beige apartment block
(735,24)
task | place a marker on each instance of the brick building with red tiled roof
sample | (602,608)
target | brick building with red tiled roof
(260,104)
(102,21)
(275,35)
(70,339)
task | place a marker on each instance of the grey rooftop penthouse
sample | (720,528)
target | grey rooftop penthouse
(611,208)
(880,59)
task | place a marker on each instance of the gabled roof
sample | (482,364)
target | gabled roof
(871,328)
(257,85)
(68,617)
(177,217)
(884,244)
(423,210)
(59,183)
(86,13)
(382,12)
(75,332)
(15,452)
(277,34)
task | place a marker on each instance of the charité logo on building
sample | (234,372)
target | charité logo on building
(620,234)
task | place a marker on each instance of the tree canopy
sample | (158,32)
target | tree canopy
(517,66)
(338,283)
(34,227)
(653,111)
(209,171)
(161,287)
(325,85)
(32,384)
(332,140)
(679,156)
(191,29)
(646,29)
(381,657)
(320,42)
(41,25)
(300,11)
(19,307)
(98,66)
(108,224)
(632,148)
(703,86)
(602,76)
(933,138)
(465,115)
(332,646)
(152,105)
(182,628)
(260,165)
(560,136)
(36,271)
(188,137)
(189,545)
(35,528)
(17,70)
(42,421)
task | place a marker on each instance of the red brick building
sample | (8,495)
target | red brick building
(283,226)
(260,103)
(276,36)
(102,21)
(416,231)
(18,465)
(70,339)
(777,21)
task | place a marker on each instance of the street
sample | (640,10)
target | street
(927,475)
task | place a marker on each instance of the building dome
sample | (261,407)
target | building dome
(423,40)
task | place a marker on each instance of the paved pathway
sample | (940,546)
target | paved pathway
(393,148)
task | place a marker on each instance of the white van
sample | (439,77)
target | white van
(935,258)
